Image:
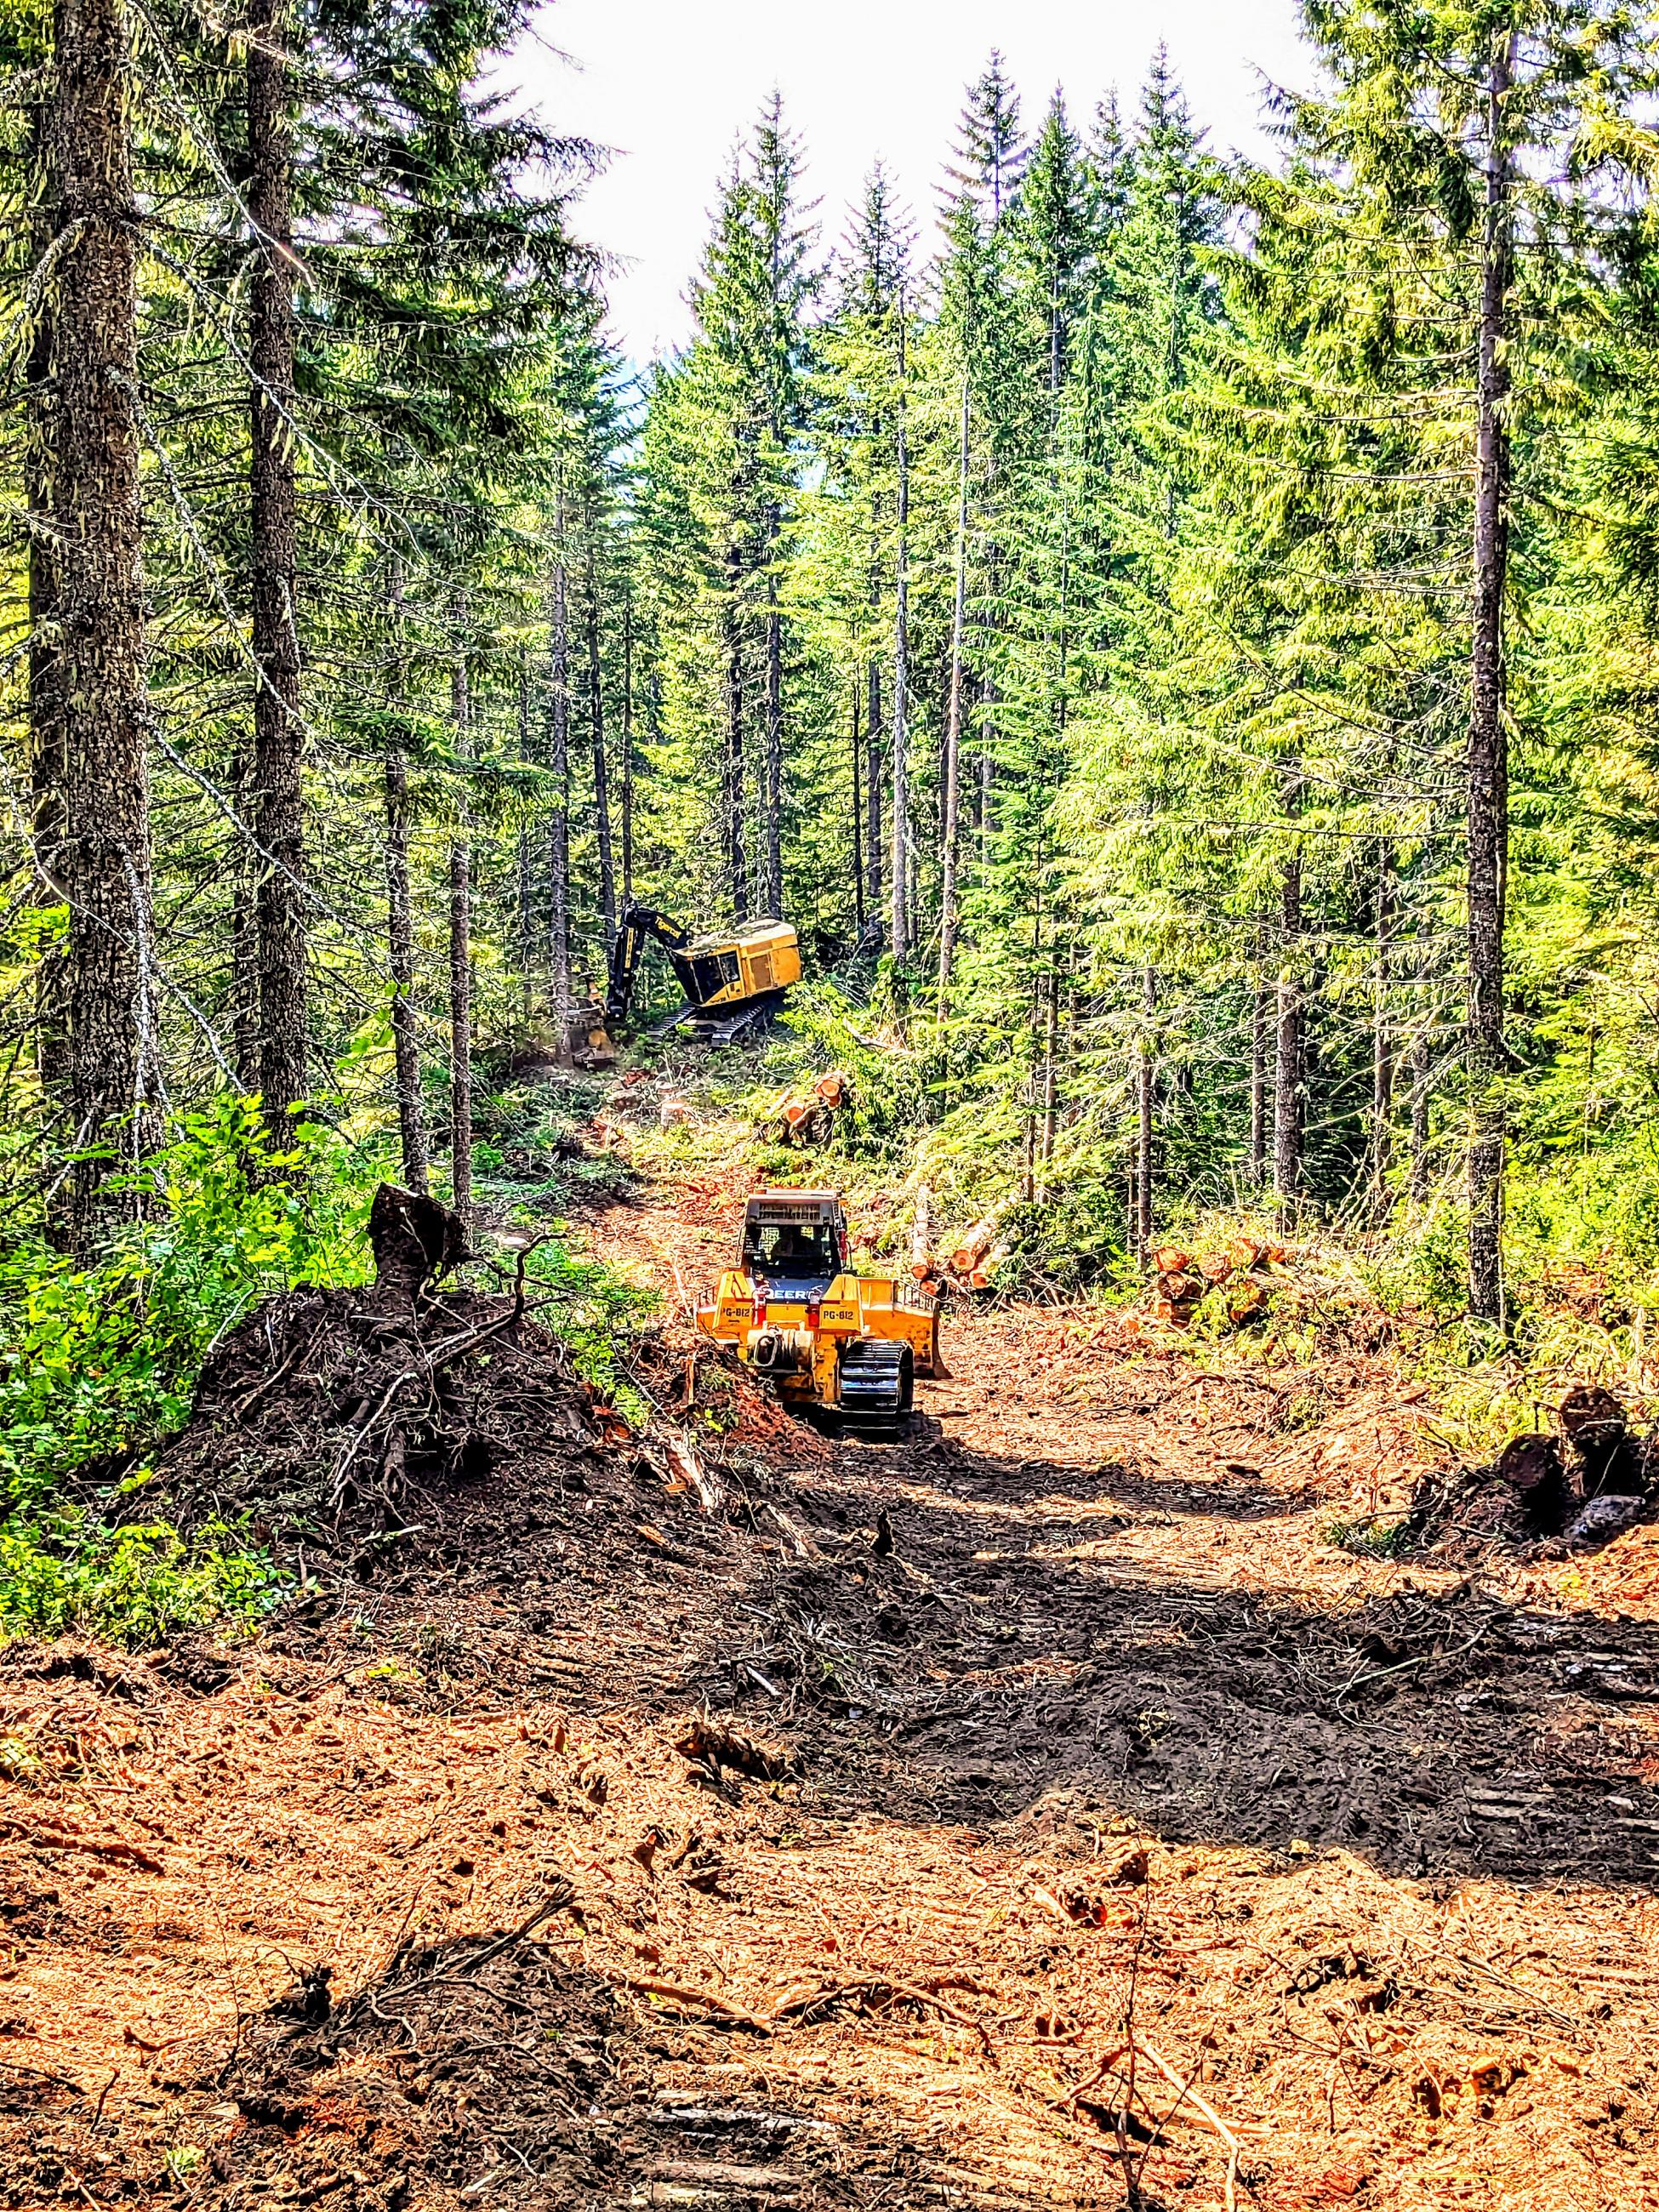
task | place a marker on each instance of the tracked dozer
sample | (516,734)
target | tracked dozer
(844,1346)
(733,980)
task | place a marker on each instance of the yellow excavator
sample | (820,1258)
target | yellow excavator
(734,979)
(831,1342)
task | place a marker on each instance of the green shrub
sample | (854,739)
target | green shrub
(134,1584)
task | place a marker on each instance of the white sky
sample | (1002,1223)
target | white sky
(670,83)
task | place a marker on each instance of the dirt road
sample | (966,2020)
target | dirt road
(1070,1822)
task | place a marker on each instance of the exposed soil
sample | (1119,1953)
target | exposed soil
(1043,1810)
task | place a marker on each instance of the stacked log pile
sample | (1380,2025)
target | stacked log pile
(1241,1271)
(805,1117)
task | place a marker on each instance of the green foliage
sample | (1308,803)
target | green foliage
(98,1358)
(139,1582)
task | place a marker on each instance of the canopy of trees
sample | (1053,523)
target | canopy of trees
(1178,635)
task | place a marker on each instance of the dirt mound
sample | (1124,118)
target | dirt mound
(331,1413)
(468,2062)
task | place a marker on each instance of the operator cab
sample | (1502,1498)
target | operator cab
(795,1242)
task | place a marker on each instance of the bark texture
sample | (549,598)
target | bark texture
(951,766)
(460,976)
(278,732)
(558,828)
(99,609)
(1287,1043)
(41,436)
(1488,762)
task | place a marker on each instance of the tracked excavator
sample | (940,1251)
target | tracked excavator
(733,980)
(834,1343)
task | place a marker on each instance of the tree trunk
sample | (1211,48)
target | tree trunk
(950,767)
(460,971)
(596,731)
(900,920)
(872,840)
(526,857)
(772,895)
(400,926)
(1050,1064)
(278,733)
(558,836)
(628,742)
(1287,1055)
(1144,1071)
(733,797)
(46,717)
(1258,1072)
(1381,1038)
(112,1068)
(858,811)
(1421,1070)
(1488,769)
(245,932)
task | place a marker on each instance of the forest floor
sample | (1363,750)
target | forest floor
(1111,1837)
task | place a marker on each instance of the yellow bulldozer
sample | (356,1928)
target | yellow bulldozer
(833,1342)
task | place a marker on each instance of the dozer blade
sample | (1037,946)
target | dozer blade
(876,1382)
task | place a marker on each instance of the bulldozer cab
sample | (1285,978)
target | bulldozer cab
(796,1240)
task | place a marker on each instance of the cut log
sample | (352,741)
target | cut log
(922,1236)
(976,1243)
(1170,1259)
(982,1276)
(831,1088)
(1243,1253)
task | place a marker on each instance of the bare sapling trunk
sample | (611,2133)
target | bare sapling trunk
(1382,1033)
(1488,765)
(278,733)
(772,894)
(460,971)
(526,857)
(1287,1044)
(1422,1073)
(857,810)
(109,999)
(1144,1074)
(900,918)
(1258,1156)
(873,833)
(950,767)
(558,828)
(628,743)
(1050,1065)
(400,925)
(601,766)
(733,797)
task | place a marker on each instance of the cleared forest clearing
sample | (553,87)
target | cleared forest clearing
(1069,1822)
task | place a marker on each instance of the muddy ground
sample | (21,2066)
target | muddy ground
(1070,1822)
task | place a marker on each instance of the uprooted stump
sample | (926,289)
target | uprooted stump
(327,1411)
(414,1240)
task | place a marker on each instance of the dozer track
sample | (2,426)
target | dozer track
(877,1384)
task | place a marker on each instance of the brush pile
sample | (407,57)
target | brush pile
(330,1412)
